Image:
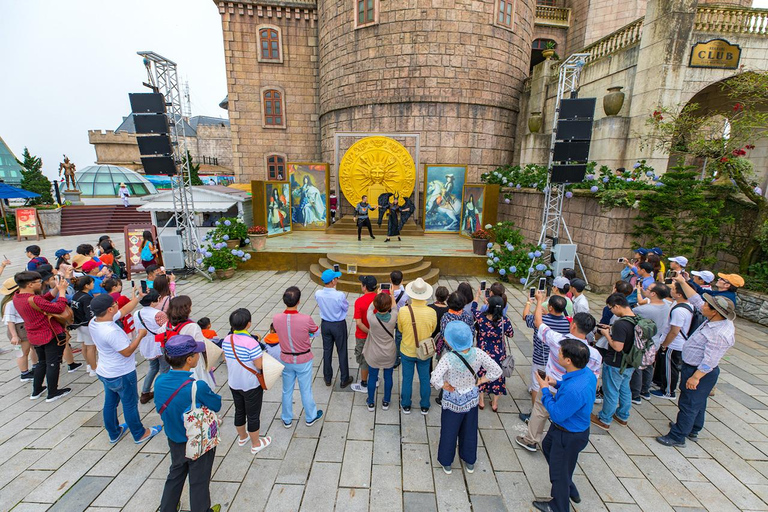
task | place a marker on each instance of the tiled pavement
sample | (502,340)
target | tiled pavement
(57,457)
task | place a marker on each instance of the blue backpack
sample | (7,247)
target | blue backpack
(146,253)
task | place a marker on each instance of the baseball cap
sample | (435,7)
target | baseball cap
(657,251)
(680,260)
(329,275)
(101,303)
(89,265)
(61,252)
(735,279)
(183,345)
(705,275)
(641,250)
(561,282)
(369,282)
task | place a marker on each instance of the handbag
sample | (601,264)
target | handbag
(508,364)
(65,319)
(200,423)
(271,368)
(425,348)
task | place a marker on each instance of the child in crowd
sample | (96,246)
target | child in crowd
(153,271)
(114,287)
(91,268)
(33,253)
(570,275)
(81,307)
(272,342)
(16,331)
(205,327)
(63,258)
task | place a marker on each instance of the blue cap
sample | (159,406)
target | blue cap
(183,345)
(61,252)
(458,335)
(657,251)
(329,275)
(641,250)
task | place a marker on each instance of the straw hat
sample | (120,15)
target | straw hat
(419,289)
(722,305)
(9,286)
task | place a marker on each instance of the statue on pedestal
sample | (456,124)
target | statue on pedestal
(69,173)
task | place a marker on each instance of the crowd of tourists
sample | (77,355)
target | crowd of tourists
(658,329)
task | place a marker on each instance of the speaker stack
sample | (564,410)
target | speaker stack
(152,133)
(574,134)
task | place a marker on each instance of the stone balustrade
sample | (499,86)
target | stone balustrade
(549,16)
(624,37)
(730,20)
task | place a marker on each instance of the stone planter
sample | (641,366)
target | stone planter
(752,306)
(258,242)
(613,101)
(226,273)
(535,122)
(480,246)
(233,243)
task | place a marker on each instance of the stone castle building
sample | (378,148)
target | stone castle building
(456,81)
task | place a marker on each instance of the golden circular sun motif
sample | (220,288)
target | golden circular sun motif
(374,166)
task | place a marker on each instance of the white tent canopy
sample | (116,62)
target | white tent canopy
(205,201)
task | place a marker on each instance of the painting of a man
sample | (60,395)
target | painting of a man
(443,198)
(308,195)
(278,217)
(472,214)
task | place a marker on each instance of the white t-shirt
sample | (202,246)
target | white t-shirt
(11,315)
(580,304)
(145,319)
(680,317)
(110,339)
(199,372)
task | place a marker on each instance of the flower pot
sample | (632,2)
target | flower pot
(234,243)
(480,246)
(613,101)
(225,273)
(258,242)
(534,122)
(547,53)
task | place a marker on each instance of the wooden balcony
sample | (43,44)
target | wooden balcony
(548,16)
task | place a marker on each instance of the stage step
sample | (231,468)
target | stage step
(382,275)
(86,220)
(348,226)
(373,263)
(412,267)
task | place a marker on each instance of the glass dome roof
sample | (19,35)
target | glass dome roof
(105,180)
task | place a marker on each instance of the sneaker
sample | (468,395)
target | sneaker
(646,396)
(37,395)
(524,417)
(595,419)
(469,467)
(599,397)
(371,407)
(319,415)
(27,376)
(73,367)
(286,425)
(92,373)
(425,411)
(447,470)
(693,437)
(384,406)
(532,447)
(60,393)
(358,386)
(668,441)
(660,394)
(637,401)
(407,410)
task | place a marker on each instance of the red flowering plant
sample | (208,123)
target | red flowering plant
(481,234)
(257,230)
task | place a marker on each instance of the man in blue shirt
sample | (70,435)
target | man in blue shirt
(173,397)
(569,410)
(333,307)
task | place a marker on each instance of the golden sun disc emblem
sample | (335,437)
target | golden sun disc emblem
(374,166)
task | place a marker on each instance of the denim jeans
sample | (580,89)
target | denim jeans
(617,397)
(156,365)
(373,377)
(303,373)
(422,367)
(122,389)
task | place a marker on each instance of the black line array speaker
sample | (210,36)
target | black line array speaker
(158,145)
(158,165)
(147,103)
(572,140)
(152,133)
(577,108)
(151,124)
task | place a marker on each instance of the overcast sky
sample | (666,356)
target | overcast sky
(68,66)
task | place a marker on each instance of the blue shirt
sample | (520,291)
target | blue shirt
(97,288)
(173,415)
(572,405)
(332,303)
(724,293)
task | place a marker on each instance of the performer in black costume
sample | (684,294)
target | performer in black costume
(398,215)
(361,216)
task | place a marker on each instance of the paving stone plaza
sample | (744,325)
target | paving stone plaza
(56,456)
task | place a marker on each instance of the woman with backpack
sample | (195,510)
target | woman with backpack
(148,253)
(179,310)
(148,320)
(456,375)
(380,351)
(81,307)
(492,327)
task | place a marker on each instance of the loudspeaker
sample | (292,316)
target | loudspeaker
(574,130)
(571,151)
(147,103)
(158,165)
(173,254)
(568,173)
(578,108)
(151,123)
(157,145)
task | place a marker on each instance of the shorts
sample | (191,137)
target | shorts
(359,344)
(535,383)
(84,335)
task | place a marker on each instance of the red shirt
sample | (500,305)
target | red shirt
(361,312)
(36,323)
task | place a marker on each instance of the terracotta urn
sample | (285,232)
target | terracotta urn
(225,273)
(258,242)
(233,243)
(534,122)
(480,246)
(613,101)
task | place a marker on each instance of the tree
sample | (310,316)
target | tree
(724,137)
(194,169)
(33,179)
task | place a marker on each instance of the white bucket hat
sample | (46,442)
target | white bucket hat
(419,289)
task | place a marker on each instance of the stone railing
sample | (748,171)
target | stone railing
(729,20)
(624,37)
(549,16)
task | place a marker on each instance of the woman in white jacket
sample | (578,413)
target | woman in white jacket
(148,321)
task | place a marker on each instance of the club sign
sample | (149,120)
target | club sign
(715,53)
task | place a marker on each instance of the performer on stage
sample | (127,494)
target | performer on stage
(394,223)
(361,216)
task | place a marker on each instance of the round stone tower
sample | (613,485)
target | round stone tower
(450,70)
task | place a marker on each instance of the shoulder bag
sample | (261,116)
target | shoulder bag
(508,364)
(200,423)
(271,367)
(425,348)
(65,319)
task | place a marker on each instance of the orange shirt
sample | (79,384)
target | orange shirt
(209,333)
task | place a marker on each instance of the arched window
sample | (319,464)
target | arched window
(275,167)
(274,114)
(270,49)
(541,44)
(505,13)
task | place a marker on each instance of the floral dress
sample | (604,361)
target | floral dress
(490,339)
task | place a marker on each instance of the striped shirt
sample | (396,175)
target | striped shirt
(709,343)
(248,350)
(557,323)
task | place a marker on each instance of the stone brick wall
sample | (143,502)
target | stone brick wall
(214,141)
(752,306)
(601,236)
(297,76)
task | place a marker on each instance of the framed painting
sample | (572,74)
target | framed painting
(443,197)
(277,197)
(309,195)
(480,206)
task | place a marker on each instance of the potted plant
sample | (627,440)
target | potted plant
(231,230)
(258,237)
(480,240)
(221,260)
(549,51)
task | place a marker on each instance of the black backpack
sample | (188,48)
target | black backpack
(696,321)
(81,307)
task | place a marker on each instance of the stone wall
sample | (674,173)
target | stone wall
(213,141)
(752,306)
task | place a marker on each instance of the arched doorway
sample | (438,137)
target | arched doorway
(536,48)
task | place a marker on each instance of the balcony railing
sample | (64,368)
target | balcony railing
(207,160)
(548,16)
(729,20)
(625,37)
